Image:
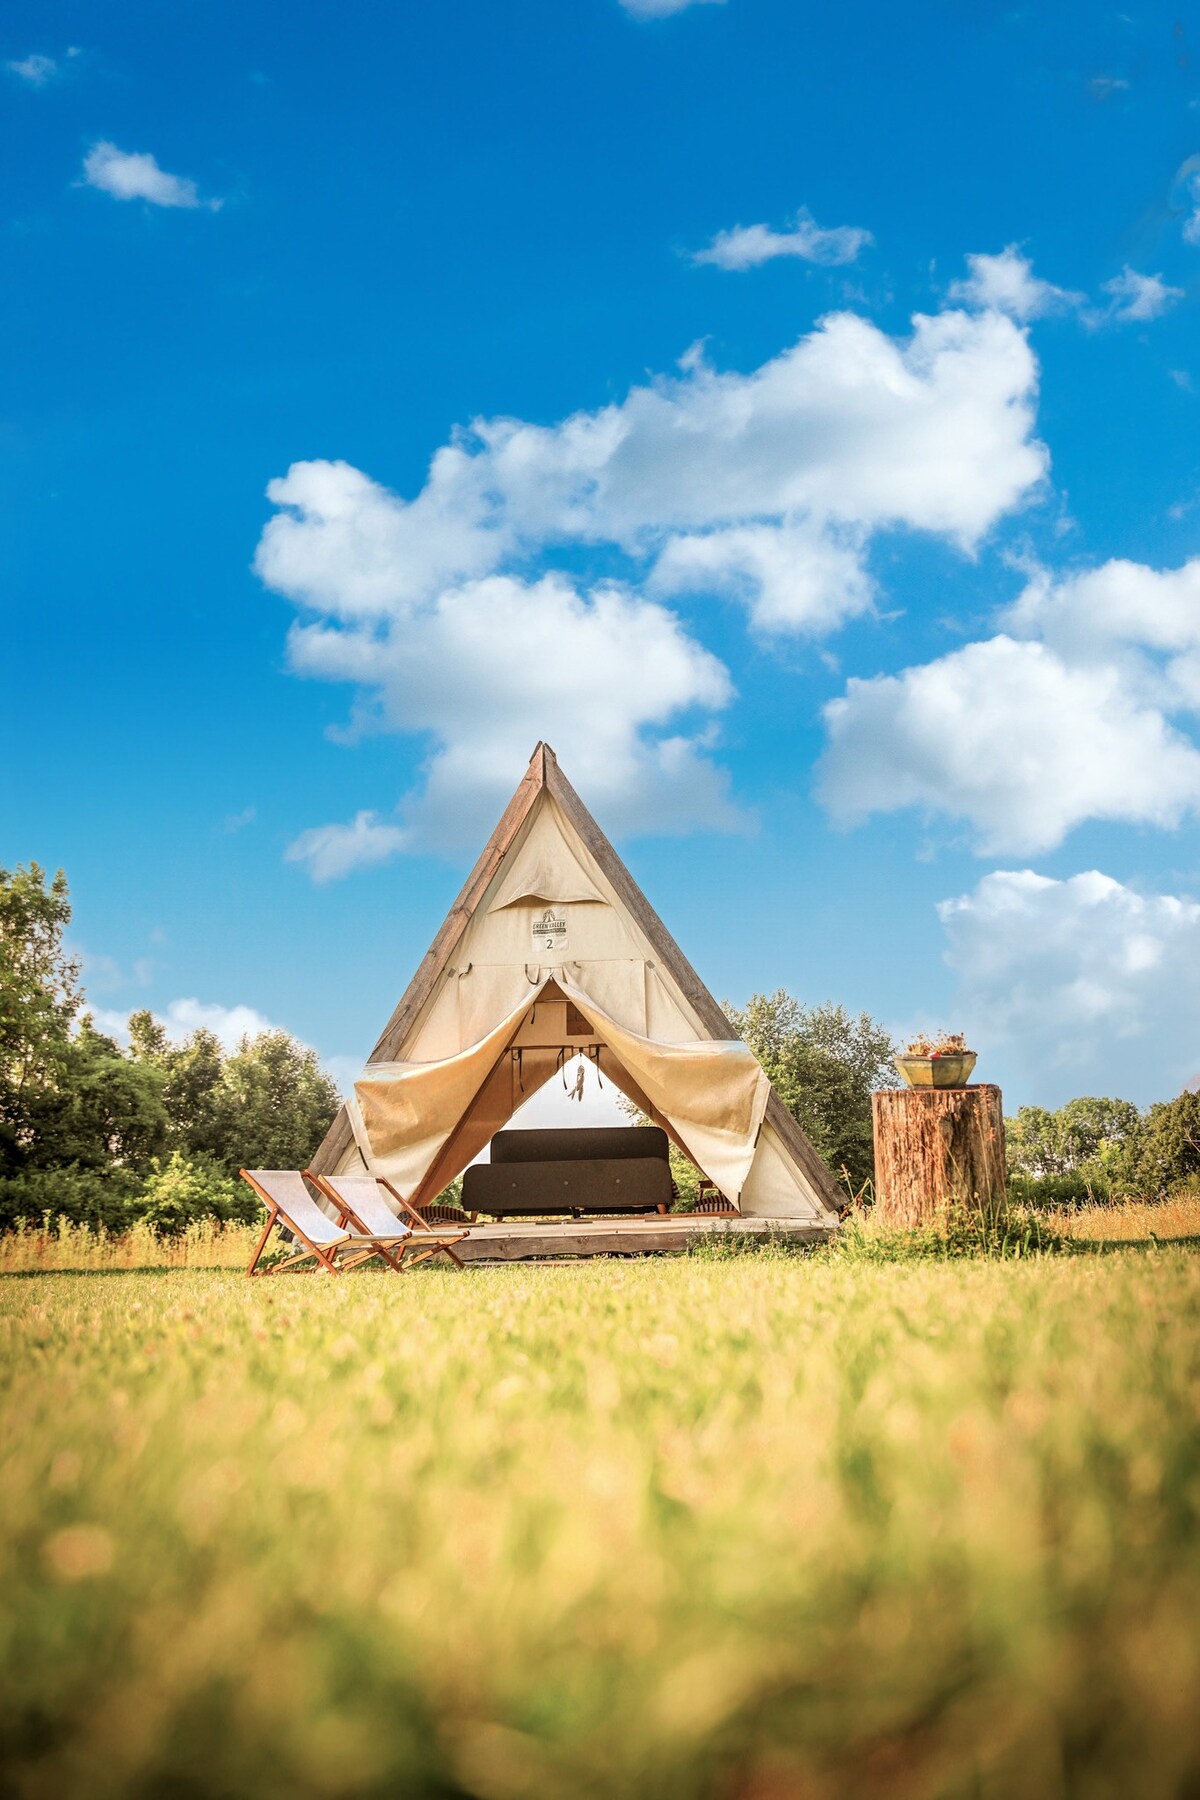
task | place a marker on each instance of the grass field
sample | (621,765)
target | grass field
(766,1528)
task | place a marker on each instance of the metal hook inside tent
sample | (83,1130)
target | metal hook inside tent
(518,1057)
(536,976)
(594,1053)
(561,1066)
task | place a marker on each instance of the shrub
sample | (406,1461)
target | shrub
(105,1199)
(1059,1193)
(181,1193)
(994,1231)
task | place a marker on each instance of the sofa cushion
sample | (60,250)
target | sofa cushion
(588,1143)
(622,1184)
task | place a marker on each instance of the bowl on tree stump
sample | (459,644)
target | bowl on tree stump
(951,1069)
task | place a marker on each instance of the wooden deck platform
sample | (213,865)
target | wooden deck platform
(559,1240)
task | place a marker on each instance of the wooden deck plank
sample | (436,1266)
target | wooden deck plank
(572,1238)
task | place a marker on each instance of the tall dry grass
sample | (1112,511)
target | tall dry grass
(1133,1222)
(57,1245)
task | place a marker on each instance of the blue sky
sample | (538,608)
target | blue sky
(875,643)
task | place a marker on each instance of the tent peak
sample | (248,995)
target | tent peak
(542,755)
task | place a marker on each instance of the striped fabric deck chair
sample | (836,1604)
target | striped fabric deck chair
(332,1246)
(360,1203)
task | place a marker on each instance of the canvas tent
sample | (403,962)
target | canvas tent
(552,950)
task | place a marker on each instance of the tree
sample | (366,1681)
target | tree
(1034,1142)
(83,1122)
(1093,1132)
(110,1111)
(39,998)
(267,1106)
(1167,1152)
(194,1092)
(278,1101)
(1092,1138)
(825,1064)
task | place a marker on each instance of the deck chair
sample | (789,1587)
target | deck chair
(360,1203)
(334,1248)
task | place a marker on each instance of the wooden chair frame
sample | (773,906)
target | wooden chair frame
(364,1247)
(345,1212)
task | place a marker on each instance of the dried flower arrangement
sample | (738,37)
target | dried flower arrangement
(943,1043)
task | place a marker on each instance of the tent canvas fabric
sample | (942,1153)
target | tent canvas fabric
(551,950)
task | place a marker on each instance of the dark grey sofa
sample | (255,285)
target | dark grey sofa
(591,1170)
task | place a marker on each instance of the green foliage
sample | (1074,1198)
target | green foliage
(39,998)
(1166,1159)
(194,1094)
(265,1107)
(686,1177)
(112,1111)
(824,1063)
(1005,1232)
(1093,1132)
(1092,1140)
(83,1196)
(1055,1193)
(280,1103)
(1032,1142)
(452,1194)
(181,1193)
(85,1125)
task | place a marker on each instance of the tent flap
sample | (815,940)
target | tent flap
(547,869)
(712,1093)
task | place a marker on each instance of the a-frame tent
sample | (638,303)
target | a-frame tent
(550,950)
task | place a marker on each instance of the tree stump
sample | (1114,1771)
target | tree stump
(936,1148)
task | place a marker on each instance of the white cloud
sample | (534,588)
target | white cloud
(229,1024)
(1103,87)
(1028,735)
(1006,283)
(1094,611)
(130,175)
(34,69)
(1071,977)
(793,577)
(344,1071)
(495,664)
(746,246)
(847,429)
(765,487)
(1189,175)
(660,9)
(332,851)
(1135,299)
(1012,738)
